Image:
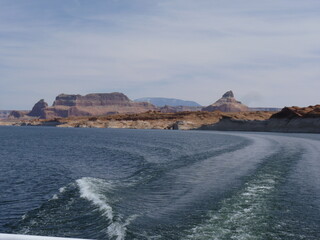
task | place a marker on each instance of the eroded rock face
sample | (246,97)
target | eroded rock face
(298,112)
(38,108)
(227,104)
(96,99)
(94,105)
(228,94)
(289,119)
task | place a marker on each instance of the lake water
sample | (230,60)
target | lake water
(152,184)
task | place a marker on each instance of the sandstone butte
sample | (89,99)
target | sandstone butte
(227,103)
(66,105)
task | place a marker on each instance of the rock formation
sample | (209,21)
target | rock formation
(227,103)
(289,119)
(37,110)
(297,112)
(146,120)
(98,104)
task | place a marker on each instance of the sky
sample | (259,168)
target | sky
(267,52)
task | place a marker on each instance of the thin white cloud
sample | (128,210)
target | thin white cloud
(183,49)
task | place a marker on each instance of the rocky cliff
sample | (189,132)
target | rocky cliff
(227,103)
(66,105)
(298,112)
(289,119)
(38,109)
(93,100)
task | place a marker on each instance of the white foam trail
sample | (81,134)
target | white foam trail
(214,171)
(241,214)
(90,190)
(54,197)
(238,214)
(61,190)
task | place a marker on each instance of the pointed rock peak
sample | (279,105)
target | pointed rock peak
(227,104)
(41,104)
(37,109)
(228,94)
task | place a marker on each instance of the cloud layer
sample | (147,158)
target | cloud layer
(267,52)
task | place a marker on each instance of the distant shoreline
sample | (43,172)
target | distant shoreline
(259,121)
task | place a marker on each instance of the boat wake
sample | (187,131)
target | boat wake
(84,202)
(255,211)
(91,189)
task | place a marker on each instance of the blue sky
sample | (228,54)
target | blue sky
(267,52)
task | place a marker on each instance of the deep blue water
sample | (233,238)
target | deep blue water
(152,184)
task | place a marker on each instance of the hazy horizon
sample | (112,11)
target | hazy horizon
(266,52)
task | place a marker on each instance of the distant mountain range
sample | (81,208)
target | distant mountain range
(160,102)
